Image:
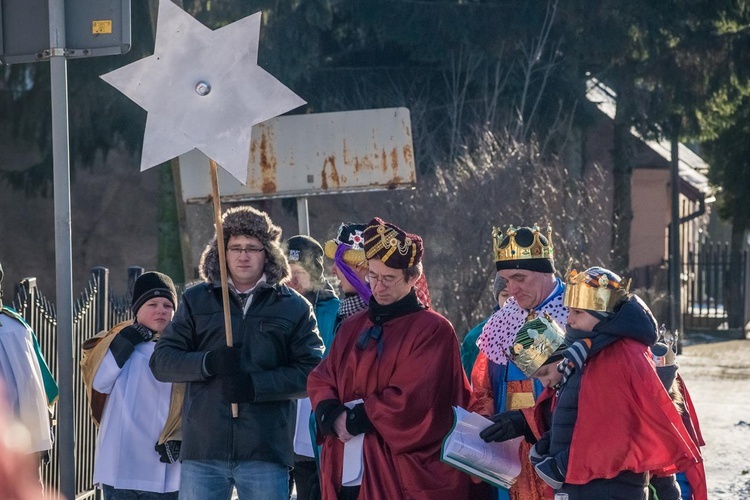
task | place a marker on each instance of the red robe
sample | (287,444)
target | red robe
(538,415)
(696,475)
(408,395)
(626,419)
(537,418)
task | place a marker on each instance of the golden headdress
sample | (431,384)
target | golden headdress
(523,248)
(536,342)
(350,234)
(595,289)
(392,245)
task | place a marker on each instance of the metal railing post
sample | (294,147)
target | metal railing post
(101,278)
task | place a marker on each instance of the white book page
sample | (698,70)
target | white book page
(465,446)
(303,444)
(351,474)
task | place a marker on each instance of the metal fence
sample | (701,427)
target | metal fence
(95,310)
(710,303)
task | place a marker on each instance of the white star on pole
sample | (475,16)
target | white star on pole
(202,89)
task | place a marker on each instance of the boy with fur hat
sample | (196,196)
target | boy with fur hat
(306,265)
(608,376)
(138,443)
(275,346)
(397,365)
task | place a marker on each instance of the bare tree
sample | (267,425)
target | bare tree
(481,165)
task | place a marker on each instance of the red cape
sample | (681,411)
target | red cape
(409,393)
(626,419)
(696,475)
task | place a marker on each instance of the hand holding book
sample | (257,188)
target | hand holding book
(497,463)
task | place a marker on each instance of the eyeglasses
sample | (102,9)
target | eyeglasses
(386,281)
(248,250)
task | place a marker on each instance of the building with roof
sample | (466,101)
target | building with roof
(651,208)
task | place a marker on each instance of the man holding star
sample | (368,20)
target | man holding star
(275,346)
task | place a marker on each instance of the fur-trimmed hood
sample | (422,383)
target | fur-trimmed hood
(247,221)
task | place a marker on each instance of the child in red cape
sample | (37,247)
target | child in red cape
(614,425)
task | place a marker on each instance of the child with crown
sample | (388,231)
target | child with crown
(607,380)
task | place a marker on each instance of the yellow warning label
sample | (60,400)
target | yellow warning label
(101,27)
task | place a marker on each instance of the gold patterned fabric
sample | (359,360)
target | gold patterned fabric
(392,245)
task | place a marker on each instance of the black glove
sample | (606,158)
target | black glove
(357,421)
(238,388)
(124,343)
(508,425)
(224,360)
(326,414)
(136,333)
(169,452)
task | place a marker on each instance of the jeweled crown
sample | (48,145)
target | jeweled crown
(593,291)
(507,247)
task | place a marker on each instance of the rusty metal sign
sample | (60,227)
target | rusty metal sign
(315,154)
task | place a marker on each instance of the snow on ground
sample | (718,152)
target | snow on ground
(717,375)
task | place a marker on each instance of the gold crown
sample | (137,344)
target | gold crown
(535,342)
(593,291)
(513,251)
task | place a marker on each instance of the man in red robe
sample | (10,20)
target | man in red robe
(384,394)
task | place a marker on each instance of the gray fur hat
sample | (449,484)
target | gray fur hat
(247,221)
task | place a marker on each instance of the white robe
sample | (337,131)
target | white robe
(22,383)
(133,417)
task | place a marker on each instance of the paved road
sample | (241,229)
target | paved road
(717,374)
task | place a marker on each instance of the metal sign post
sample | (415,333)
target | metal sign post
(303,216)
(35,31)
(63,247)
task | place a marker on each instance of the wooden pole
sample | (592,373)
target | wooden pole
(222,261)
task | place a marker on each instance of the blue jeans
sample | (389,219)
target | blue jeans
(213,480)
(110,493)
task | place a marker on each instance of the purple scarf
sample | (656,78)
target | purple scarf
(362,288)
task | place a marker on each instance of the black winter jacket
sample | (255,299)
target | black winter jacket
(280,347)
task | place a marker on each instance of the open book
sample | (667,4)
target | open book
(495,463)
